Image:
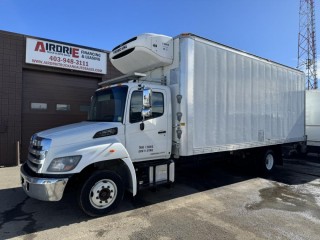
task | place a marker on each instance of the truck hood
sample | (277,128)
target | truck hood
(77,132)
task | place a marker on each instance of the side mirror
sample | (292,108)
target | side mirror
(146,103)
(147,98)
(146,112)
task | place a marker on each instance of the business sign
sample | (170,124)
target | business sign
(58,55)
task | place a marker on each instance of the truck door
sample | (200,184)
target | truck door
(151,142)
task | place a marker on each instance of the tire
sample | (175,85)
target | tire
(267,162)
(101,193)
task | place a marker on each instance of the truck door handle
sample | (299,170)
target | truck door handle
(160,132)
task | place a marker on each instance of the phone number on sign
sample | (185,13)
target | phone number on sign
(68,60)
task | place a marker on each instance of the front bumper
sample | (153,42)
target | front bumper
(45,189)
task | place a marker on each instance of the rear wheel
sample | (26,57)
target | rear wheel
(267,162)
(101,193)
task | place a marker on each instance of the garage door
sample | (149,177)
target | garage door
(51,100)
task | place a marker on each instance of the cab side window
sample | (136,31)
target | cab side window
(136,106)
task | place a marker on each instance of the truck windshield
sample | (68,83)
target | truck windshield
(108,105)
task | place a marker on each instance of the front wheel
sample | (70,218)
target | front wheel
(101,193)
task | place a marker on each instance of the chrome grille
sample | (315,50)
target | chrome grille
(38,150)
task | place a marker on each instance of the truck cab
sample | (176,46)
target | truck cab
(120,131)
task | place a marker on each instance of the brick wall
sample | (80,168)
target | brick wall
(11,58)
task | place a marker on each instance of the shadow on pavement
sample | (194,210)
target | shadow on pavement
(20,215)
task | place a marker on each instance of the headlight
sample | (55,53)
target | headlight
(64,164)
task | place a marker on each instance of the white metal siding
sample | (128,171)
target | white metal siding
(232,100)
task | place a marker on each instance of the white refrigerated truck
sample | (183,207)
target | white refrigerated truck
(179,98)
(313,121)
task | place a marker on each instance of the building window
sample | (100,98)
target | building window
(84,108)
(63,107)
(39,106)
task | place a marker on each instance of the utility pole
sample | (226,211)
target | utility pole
(307,52)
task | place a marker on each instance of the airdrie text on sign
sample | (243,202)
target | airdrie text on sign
(53,54)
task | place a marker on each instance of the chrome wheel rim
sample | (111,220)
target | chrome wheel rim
(103,194)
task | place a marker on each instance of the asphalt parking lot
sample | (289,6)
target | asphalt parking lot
(211,201)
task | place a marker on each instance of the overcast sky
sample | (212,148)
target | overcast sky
(267,28)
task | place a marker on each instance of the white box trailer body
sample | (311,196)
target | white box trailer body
(231,100)
(313,119)
(234,100)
